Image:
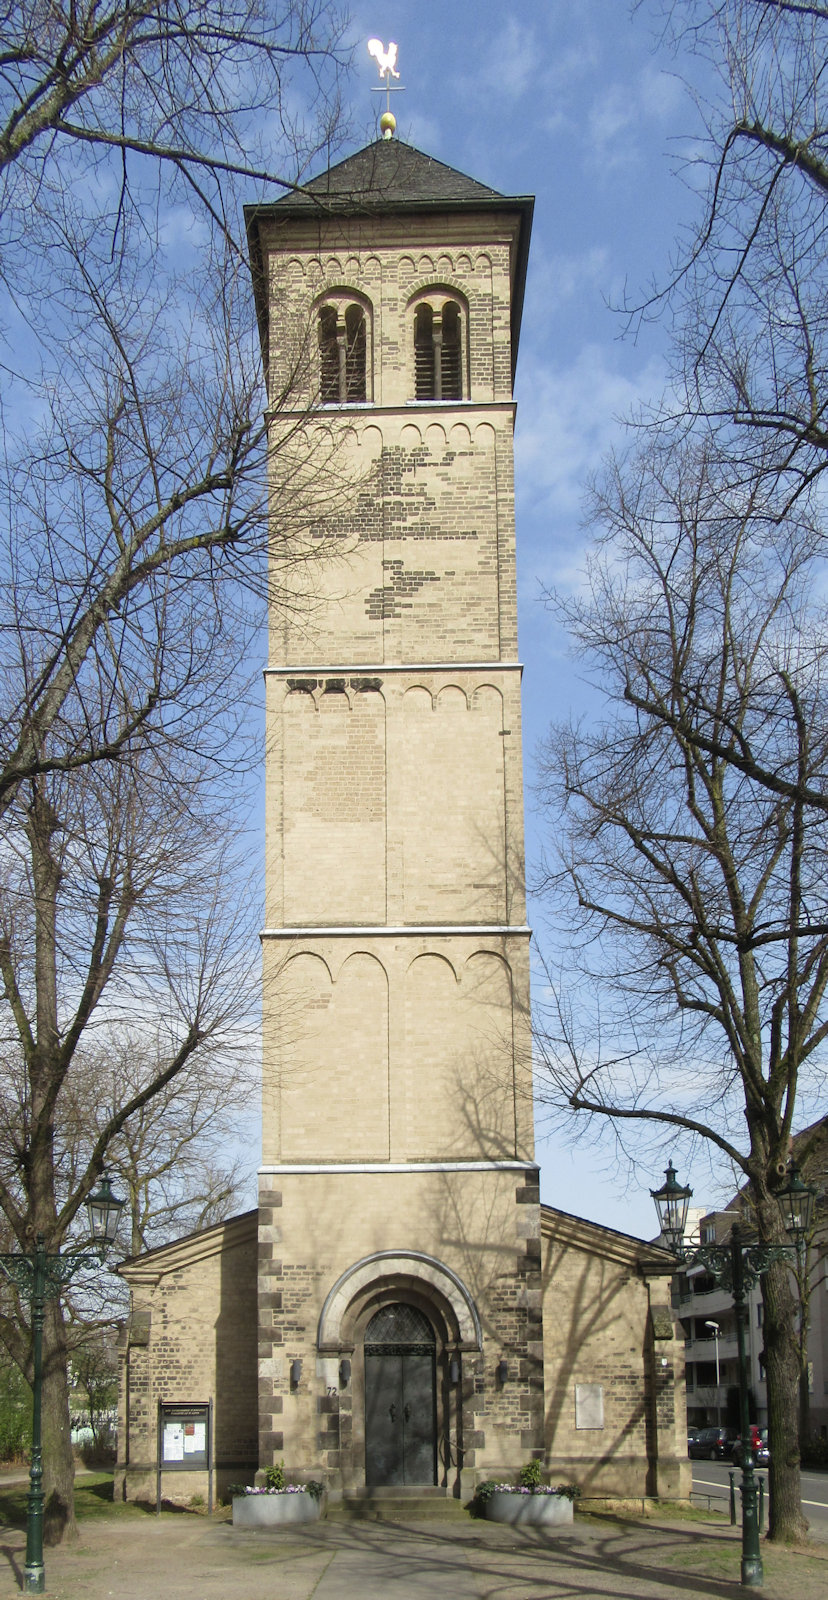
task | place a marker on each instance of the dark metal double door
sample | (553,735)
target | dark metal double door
(400,1416)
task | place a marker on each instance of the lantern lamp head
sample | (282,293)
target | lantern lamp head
(104,1211)
(671,1203)
(797,1200)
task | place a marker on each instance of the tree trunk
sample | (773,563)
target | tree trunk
(803,1290)
(804,1406)
(58,1462)
(786,1522)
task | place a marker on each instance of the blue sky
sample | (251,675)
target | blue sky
(585,108)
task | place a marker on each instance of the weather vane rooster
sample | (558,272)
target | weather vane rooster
(386,59)
(387,63)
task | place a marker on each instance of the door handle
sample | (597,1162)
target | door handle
(392,1412)
(407,1414)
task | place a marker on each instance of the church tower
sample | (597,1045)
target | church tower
(400,1325)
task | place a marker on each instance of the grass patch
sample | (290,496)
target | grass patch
(674,1511)
(680,1511)
(706,1561)
(788,1567)
(93,1495)
(93,1499)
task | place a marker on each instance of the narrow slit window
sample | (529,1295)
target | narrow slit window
(450,354)
(424,353)
(343,348)
(328,357)
(354,354)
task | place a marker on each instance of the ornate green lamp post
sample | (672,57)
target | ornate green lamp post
(41,1277)
(736,1265)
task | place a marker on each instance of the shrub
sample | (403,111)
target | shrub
(275,1476)
(485,1490)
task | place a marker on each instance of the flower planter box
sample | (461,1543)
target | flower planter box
(274,1510)
(529,1510)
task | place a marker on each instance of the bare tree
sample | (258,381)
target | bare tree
(177,1158)
(137,523)
(145,509)
(812,1159)
(135,457)
(697,896)
(178,86)
(120,900)
(747,294)
(135,557)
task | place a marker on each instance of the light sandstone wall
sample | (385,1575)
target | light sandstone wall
(396,977)
(394,809)
(190,1338)
(483,1226)
(396,1048)
(388,262)
(415,540)
(599,1328)
(415,500)
(395,797)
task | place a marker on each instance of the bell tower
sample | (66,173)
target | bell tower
(400,1330)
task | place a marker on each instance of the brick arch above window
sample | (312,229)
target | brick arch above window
(438,316)
(344,334)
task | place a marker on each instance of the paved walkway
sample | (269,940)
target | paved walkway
(187,1557)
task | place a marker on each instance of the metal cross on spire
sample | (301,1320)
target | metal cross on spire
(386,60)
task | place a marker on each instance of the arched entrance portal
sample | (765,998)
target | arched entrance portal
(400,1401)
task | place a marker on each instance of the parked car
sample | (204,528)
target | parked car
(758,1445)
(712,1444)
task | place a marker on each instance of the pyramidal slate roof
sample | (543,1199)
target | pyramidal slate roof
(389,173)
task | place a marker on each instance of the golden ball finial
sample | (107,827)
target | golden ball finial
(388,123)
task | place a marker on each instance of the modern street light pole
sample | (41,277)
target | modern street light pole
(716,1331)
(41,1277)
(736,1265)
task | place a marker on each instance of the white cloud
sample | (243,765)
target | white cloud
(662,94)
(555,278)
(569,418)
(520,62)
(512,62)
(616,119)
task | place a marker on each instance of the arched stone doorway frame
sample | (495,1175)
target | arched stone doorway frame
(386,1277)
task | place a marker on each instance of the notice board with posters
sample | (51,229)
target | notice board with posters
(185,1430)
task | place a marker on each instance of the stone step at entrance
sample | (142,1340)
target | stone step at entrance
(420,1503)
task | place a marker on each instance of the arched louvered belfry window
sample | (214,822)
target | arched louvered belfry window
(343,351)
(438,350)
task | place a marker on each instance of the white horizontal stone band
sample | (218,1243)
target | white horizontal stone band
(377,668)
(398,1166)
(369,408)
(440,931)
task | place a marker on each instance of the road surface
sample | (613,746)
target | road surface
(713,1478)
